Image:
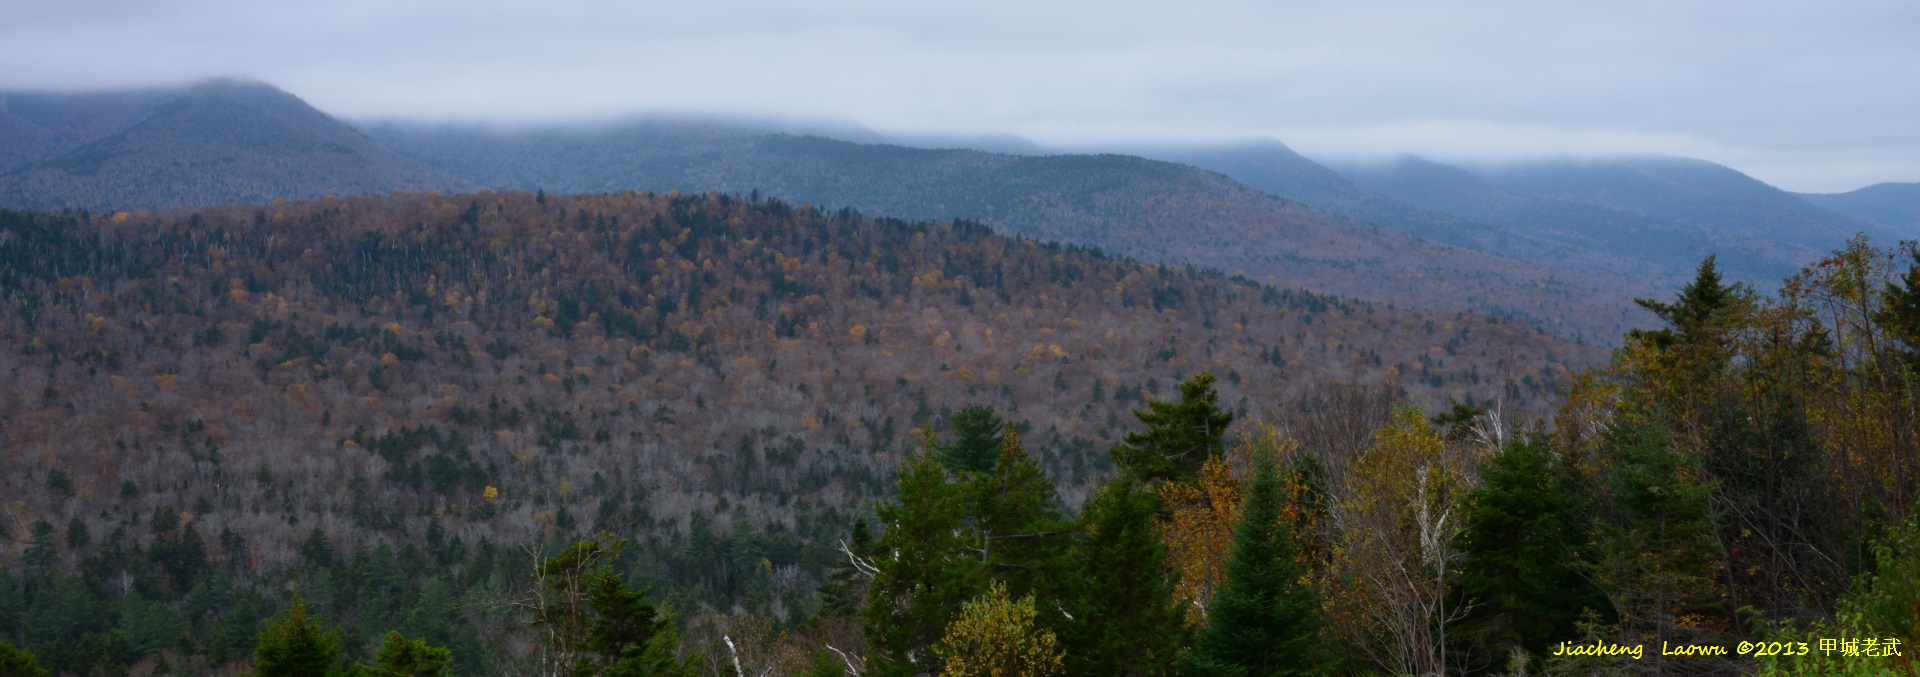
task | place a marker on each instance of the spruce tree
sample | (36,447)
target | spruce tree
(976,440)
(295,645)
(1521,576)
(1265,618)
(1901,314)
(1126,620)
(1017,531)
(400,656)
(1659,560)
(1690,318)
(923,576)
(1180,436)
(845,591)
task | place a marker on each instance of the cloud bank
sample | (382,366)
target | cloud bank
(1809,97)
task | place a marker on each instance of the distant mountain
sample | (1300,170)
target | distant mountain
(1670,247)
(212,143)
(1276,169)
(1152,210)
(1894,205)
(1688,191)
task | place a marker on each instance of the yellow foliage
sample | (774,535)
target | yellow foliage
(995,636)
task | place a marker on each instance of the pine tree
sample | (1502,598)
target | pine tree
(1179,437)
(1521,576)
(976,440)
(923,577)
(295,645)
(1127,621)
(1265,619)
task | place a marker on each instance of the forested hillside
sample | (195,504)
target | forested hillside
(206,404)
(1150,210)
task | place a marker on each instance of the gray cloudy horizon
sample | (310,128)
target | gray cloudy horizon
(1809,98)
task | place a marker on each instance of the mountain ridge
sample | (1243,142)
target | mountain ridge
(211,143)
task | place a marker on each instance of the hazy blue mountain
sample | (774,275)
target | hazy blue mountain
(1272,167)
(211,143)
(1148,209)
(1688,191)
(1672,247)
(1894,205)
(36,126)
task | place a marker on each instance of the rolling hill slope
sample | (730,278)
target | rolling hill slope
(367,367)
(1152,210)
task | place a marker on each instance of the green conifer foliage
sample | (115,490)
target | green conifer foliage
(923,576)
(1180,436)
(1521,577)
(1659,560)
(1265,618)
(1018,533)
(1126,618)
(1690,318)
(295,645)
(976,443)
(593,624)
(403,657)
(844,593)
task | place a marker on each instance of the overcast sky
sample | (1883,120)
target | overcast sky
(1807,96)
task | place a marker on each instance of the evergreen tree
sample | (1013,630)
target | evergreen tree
(1016,523)
(18,662)
(403,657)
(1901,315)
(40,555)
(976,440)
(844,593)
(1691,317)
(1659,560)
(594,624)
(1179,437)
(1265,618)
(632,637)
(1127,621)
(1520,577)
(317,549)
(923,577)
(295,645)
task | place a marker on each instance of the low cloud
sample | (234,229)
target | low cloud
(1811,97)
